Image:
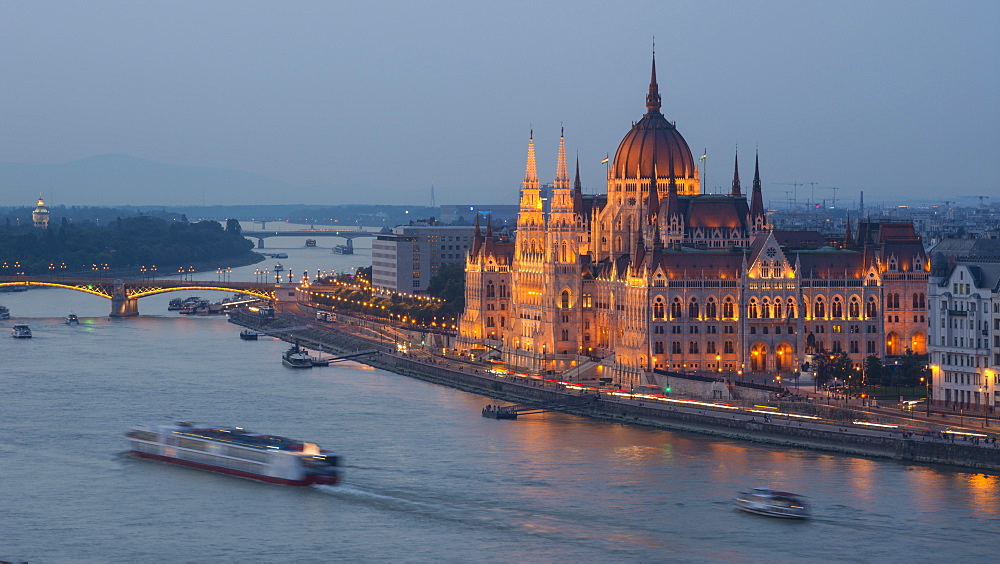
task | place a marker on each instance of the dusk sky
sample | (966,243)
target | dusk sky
(377,101)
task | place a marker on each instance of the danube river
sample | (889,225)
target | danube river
(426,477)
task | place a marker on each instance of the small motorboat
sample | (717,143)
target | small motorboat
(72,319)
(248,335)
(4,313)
(765,501)
(21,331)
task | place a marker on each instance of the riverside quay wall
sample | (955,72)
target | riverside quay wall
(825,436)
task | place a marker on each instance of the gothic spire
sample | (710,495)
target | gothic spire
(562,176)
(654,195)
(577,190)
(531,171)
(673,202)
(757,198)
(736,193)
(848,235)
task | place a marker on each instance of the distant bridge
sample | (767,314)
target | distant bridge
(348,234)
(124,293)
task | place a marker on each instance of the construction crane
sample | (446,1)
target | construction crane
(795,189)
(834,188)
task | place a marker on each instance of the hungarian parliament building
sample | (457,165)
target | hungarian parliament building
(657,276)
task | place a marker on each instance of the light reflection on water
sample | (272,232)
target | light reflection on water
(427,477)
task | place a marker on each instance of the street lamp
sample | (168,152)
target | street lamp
(927,394)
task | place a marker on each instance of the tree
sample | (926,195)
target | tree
(911,368)
(449,285)
(874,370)
(233,226)
(832,367)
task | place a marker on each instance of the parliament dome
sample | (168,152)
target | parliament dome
(653,137)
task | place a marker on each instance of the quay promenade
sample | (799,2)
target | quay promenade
(838,429)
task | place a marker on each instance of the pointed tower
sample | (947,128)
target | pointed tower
(849,234)
(737,192)
(578,191)
(674,220)
(758,218)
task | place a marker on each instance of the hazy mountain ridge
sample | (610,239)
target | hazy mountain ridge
(120,179)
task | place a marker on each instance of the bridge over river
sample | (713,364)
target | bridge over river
(125,293)
(348,234)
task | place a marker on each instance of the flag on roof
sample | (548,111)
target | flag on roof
(703,155)
(604,160)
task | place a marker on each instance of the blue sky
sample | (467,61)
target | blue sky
(377,101)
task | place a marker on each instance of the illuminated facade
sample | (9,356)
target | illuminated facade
(964,303)
(655,275)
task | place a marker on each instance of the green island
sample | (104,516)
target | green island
(154,245)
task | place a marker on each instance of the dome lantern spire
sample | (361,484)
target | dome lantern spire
(653,97)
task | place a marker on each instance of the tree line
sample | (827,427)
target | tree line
(78,247)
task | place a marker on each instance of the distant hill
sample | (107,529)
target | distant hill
(113,180)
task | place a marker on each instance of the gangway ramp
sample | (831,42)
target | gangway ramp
(554,405)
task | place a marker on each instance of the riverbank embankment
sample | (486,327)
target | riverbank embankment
(836,431)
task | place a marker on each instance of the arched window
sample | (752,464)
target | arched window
(752,309)
(710,347)
(675,308)
(871,308)
(675,347)
(791,308)
(658,347)
(728,348)
(658,308)
(777,308)
(728,309)
(490,290)
(503,290)
(838,308)
(765,308)
(564,299)
(916,300)
(837,347)
(854,308)
(923,301)
(693,347)
(710,309)
(819,310)
(693,308)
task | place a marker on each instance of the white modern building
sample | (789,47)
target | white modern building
(964,344)
(405,258)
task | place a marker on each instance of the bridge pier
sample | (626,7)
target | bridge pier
(124,307)
(260,242)
(121,304)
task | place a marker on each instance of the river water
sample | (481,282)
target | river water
(426,479)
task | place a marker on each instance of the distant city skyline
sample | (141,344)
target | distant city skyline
(351,103)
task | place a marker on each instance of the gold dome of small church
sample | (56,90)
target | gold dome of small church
(40,215)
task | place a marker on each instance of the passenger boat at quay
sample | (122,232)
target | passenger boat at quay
(296,357)
(765,501)
(236,452)
(21,331)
